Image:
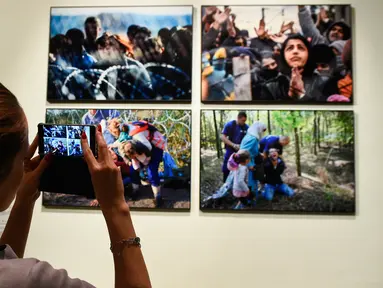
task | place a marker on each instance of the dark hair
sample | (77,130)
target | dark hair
(76,36)
(242,114)
(139,148)
(346,29)
(132,30)
(165,35)
(13,132)
(58,42)
(322,53)
(241,156)
(309,66)
(92,20)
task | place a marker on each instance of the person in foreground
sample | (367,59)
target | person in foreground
(19,177)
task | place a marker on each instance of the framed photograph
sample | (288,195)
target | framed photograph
(277,54)
(120,54)
(277,161)
(157,174)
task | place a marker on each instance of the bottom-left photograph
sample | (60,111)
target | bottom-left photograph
(151,147)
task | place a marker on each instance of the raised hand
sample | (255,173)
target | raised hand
(230,28)
(261,31)
(286,27)
(106,177)
(278,38)
(33,169)
(209,11)
(221,17)
(297,88)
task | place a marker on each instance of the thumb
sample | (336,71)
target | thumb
(43,165)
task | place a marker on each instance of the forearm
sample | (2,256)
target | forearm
(226,141)
(130,268)
(17,228)
(210,37)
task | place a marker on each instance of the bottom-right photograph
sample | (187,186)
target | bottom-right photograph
(277,161)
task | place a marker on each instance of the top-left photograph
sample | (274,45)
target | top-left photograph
(120,54)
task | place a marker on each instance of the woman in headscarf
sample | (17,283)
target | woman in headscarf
(251,143)
(297,81)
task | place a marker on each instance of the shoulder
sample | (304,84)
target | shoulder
(31,272)
(230,123)
(16,272)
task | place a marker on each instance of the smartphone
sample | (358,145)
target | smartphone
(65,140)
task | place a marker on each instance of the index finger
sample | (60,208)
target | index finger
(88,154)
(32,148)
(103,153)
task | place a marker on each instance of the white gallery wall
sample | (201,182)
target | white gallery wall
(197,249)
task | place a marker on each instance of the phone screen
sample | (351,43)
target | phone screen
(64,140)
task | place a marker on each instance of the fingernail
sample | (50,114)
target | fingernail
(83,135)
(99,128)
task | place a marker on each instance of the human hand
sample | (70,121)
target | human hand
(230,28)
(278,38)
(28,193)
(261,31)
(296,83)
(323,14)
(210,10)
(285,27)
(236,147)
(94,203)
(106,177)
(251,168)
(221,17)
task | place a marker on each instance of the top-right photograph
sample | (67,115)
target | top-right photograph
(277,54)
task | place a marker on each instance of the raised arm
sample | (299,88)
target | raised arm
(308,26)
(129,264)
(17,229)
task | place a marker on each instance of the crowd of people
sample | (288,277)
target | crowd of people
(55,146)
(146,66)
(137,147)
(252,163)
(312,64)
(62,140)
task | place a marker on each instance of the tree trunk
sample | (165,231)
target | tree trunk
(315,134)
(280,114)
(301,136)
(297,152)
(269,121)
(318,132)
(297,148)
(217,140)
(327,133)
(323,127)
(201,168)
(257,115)
(221,118)
(204,132)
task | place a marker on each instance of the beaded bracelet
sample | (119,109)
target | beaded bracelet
(125,243)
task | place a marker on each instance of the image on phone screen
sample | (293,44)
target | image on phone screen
(64,140)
